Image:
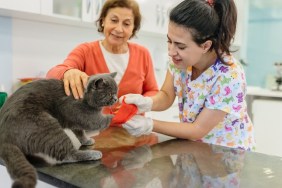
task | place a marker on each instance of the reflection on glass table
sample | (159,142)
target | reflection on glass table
(146,162)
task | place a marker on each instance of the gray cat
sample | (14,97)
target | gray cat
(40,120)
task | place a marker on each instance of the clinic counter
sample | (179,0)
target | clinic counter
(156,160)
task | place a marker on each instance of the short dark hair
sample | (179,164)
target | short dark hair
(130,4)
(206,21)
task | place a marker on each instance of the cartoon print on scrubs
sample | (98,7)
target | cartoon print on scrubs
(220,87)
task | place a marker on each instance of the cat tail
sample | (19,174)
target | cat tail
(20,170)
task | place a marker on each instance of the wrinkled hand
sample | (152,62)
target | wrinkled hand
(137,158)
(75,80)
(144,104)
(139,125)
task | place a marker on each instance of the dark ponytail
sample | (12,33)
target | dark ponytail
(227,14)
(213,20)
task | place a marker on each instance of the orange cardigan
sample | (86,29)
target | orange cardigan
(139,76)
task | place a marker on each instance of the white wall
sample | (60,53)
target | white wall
(38,46)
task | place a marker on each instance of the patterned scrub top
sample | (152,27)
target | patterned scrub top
(220,87)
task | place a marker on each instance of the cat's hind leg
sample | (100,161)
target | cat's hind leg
(76,155)
(82,137)
(62,146)
(55,144)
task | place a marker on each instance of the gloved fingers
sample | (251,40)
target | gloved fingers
(133,131)
(129,98)
(121,99)
(128,126)
(132,123)
(139,131)
(136,134)
(139,125)
(133,98)
(144,104)
(149,127)
(136,120)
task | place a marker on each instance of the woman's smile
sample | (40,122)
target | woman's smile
(116,36)
(177,61)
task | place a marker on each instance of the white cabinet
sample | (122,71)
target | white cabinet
(242,22)
(91,10)
(71,9)
(32,6)
(150,14)
(154,12)
(83,10)
(267,119)
(240,39)
(155,15)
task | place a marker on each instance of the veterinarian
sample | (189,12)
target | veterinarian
(119,21)
(208,81)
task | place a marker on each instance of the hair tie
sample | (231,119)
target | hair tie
(210,2)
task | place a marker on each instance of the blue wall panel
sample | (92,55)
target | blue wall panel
(6,63)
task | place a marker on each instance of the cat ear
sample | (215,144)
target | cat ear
(99,83)
(113,74)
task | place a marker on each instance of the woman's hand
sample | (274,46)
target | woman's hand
(144,104)
(75,80)
(139,125)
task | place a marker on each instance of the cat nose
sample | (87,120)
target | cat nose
(115,99)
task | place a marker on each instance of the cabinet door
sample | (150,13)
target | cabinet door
(154,16)
(82,10)
(70,9)
(148,9)
(242,21)
(91,10)
(88,10)
(267,121)
(164,8)
(32,6)
(167,7)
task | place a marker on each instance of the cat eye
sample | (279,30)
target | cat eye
(111,94)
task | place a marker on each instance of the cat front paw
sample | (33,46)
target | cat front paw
(95,154)
(88,142)
(83,155)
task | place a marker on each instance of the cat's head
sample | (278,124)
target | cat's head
(101,90)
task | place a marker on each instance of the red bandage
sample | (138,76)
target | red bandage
(123,114)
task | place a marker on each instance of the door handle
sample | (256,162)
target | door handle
(89,3)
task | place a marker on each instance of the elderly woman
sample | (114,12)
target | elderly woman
(119,21)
